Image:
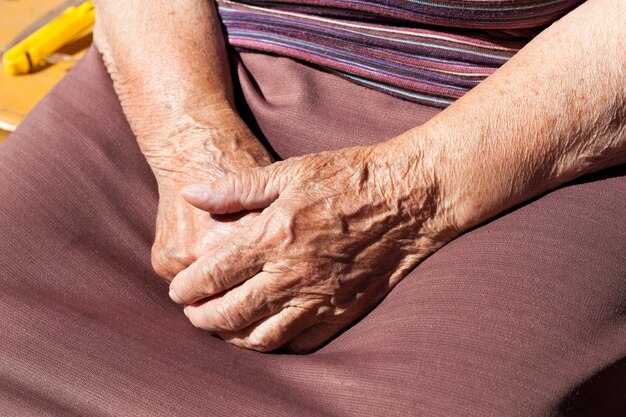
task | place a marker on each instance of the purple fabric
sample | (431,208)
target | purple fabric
(409,49)
(524,316)
(427,66)
(486,14)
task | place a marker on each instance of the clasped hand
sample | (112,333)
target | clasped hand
(337,231)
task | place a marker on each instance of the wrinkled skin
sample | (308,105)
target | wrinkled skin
(203,154)
(338,231)
(185,126)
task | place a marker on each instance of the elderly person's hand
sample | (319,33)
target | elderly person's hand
(183,232)
(180,106)
(339,231)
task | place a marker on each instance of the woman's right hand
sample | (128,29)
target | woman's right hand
(204,153)
(172,77)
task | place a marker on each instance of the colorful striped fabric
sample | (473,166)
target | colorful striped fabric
(397,47)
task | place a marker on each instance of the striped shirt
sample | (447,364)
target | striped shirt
(427,51)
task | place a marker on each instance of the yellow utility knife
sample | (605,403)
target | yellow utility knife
(32,52)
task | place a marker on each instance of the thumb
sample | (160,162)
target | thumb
(238,191)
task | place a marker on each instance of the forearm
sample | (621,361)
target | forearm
(168,63)
(556,111)
(170,70)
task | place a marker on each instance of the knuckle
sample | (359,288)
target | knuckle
(197,320)
(282,213)
(179,253)
(224,319)
(280,229)
(252,296)
(206,321)
(215,277)
(261,342)
(156,255)
(169,260)
(160,265)
(237,311)
(209,276)
(194,319)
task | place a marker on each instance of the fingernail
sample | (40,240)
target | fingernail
(186,311)
(195,189)
(174,297)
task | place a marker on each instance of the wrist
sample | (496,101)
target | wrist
(158,121)
(470,174)
(466,182)
(422,189)
(481,174)
(204,150)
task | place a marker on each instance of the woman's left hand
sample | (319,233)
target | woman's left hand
(339,230)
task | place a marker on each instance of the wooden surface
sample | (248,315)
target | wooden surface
(19,94)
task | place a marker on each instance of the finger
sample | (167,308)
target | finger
(236,309)
(237,191)
(227,266)
(314,337)
(273,332)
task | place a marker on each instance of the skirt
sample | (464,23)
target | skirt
(522,316)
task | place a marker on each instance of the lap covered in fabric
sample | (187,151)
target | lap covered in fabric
(523,316)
